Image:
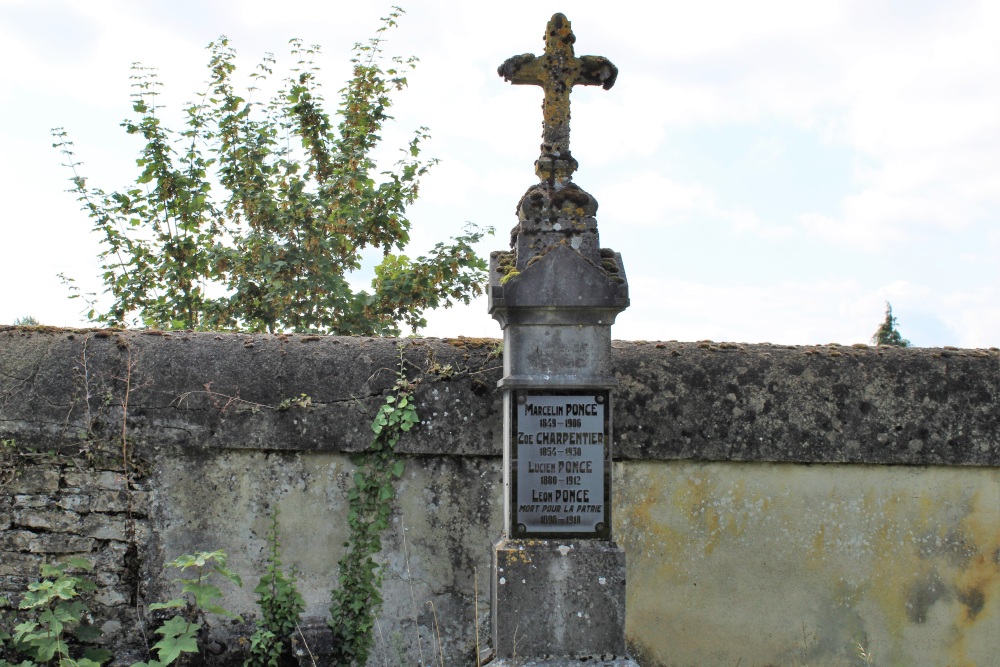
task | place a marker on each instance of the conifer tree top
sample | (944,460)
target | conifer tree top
(887,334)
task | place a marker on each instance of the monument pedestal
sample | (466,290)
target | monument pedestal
(560,598)
(564,662)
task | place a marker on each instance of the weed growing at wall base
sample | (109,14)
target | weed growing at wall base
(358,599)
(54,616)
(52,627)
(199,597)
(281,608)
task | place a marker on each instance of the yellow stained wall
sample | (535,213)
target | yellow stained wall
(778,564)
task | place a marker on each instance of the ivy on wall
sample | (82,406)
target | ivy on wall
(358,599)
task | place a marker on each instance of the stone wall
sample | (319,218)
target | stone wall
(741,547)
(53,506)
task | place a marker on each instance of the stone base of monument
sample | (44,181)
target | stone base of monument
(558,602)
(563,661)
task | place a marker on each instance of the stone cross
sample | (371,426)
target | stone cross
(558,581)
(557,71)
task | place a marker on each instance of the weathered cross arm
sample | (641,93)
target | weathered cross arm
(597,71)
(593,71)
(512,69)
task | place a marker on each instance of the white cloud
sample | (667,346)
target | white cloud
(788,312)
(652,199)
(694,29)
(806,312)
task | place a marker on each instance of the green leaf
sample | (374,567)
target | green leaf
(203,593)
(177,626)
(170,604)
(80,563)
(221,611)
(47,647)
(98,655)
(81,662)
(87,633)
(170,648)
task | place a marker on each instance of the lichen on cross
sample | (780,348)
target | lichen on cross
(557,71)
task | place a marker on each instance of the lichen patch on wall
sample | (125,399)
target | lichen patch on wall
(783,562)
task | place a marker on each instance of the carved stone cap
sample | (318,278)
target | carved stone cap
(550,215)
(570,288)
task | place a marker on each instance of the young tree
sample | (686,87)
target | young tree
(300,200)
(887,334)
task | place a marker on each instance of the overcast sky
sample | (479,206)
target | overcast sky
(770,171)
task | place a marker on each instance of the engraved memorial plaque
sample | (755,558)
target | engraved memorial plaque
(560,463)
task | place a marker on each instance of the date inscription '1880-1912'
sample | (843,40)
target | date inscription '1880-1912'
(561,444)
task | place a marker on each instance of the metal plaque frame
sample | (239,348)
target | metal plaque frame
(554,447)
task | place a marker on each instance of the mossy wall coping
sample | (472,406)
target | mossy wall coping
(676,401)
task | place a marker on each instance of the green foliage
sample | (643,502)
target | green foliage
(358,599)
(179,636)
(510,275)
(887,334)
(302,198)
(281,608)
(199,593)
(52,627)
(26,321)
(300,401)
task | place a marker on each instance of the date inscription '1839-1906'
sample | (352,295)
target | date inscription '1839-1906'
(560,452)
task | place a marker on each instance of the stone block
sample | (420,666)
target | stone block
(36,479)
(111,558)
(12,584)
(32,501)
(57,521)
(141,503)
(143,532)
(104,578)
(559,598)
(104,527)
(19,565)
(118,501)
(112,628)
(109,480)
(109,597)
(75,502)
(16,540)
(58,543)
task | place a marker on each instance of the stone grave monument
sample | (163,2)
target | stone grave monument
(558,581)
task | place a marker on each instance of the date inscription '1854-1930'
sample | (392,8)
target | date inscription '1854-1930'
(560,451)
